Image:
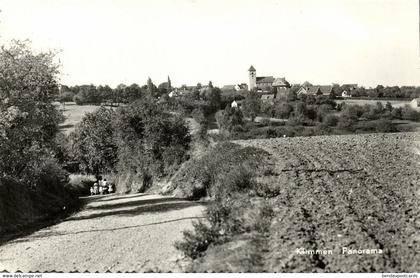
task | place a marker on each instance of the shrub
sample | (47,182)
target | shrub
(151,143)
(208,172)
(323,111)
(409,113)
(265,121)
(79,99)
(217,230)
(384,125)
(238,179)
(330,120)
(229,118)
(296,120)
(283,110)
(66,96)
(251,105)
(196,242)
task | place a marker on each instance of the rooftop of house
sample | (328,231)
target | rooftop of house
(280,82)
(326,89)
(265,79)
(228,87)
(313,90)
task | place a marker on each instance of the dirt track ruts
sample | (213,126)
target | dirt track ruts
(115,233)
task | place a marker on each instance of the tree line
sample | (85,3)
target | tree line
(96,95)
(308,115)
(389,92)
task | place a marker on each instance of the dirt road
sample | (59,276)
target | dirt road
(115,233)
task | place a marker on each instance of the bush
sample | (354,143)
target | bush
(384,125)
(79,99)
(296,120)
(283,110)
(265,121)
(409,113)
(232,213)
(204,175)
(229,118)
(330,120)
(196,242)
(151,144)
(238,179)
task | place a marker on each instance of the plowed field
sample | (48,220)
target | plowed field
(333,192)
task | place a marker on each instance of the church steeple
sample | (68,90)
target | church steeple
(252,78)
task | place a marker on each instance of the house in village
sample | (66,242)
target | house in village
(237,87)
(266,84)
(325,90)
(415,103)
(345,94)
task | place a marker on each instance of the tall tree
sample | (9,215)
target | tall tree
(93,143)
(28,119)
(150,86)
(252,105)
(169,85)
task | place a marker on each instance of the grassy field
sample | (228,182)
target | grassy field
(74,114)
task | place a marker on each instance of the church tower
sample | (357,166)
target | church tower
(252,78)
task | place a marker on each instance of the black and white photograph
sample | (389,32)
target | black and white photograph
(209,136)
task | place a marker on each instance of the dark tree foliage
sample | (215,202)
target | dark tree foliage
(251,106)
(28,119)
(93,144)
(230,118)
(149,140)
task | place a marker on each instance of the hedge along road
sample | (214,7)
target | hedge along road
(116,233)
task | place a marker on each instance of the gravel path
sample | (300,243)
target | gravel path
(116,233)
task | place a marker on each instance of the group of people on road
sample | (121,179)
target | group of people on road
(101,187)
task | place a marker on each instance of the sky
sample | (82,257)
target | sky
(368,42)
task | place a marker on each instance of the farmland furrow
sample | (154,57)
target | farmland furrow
(335,192)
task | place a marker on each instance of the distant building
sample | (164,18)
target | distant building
(326,90)
(307,89)
(234,104)
(312,90)
(252,78)
(415,103)
(229,88)
(237,87)
(345,94)
(265,83)
(176,92)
